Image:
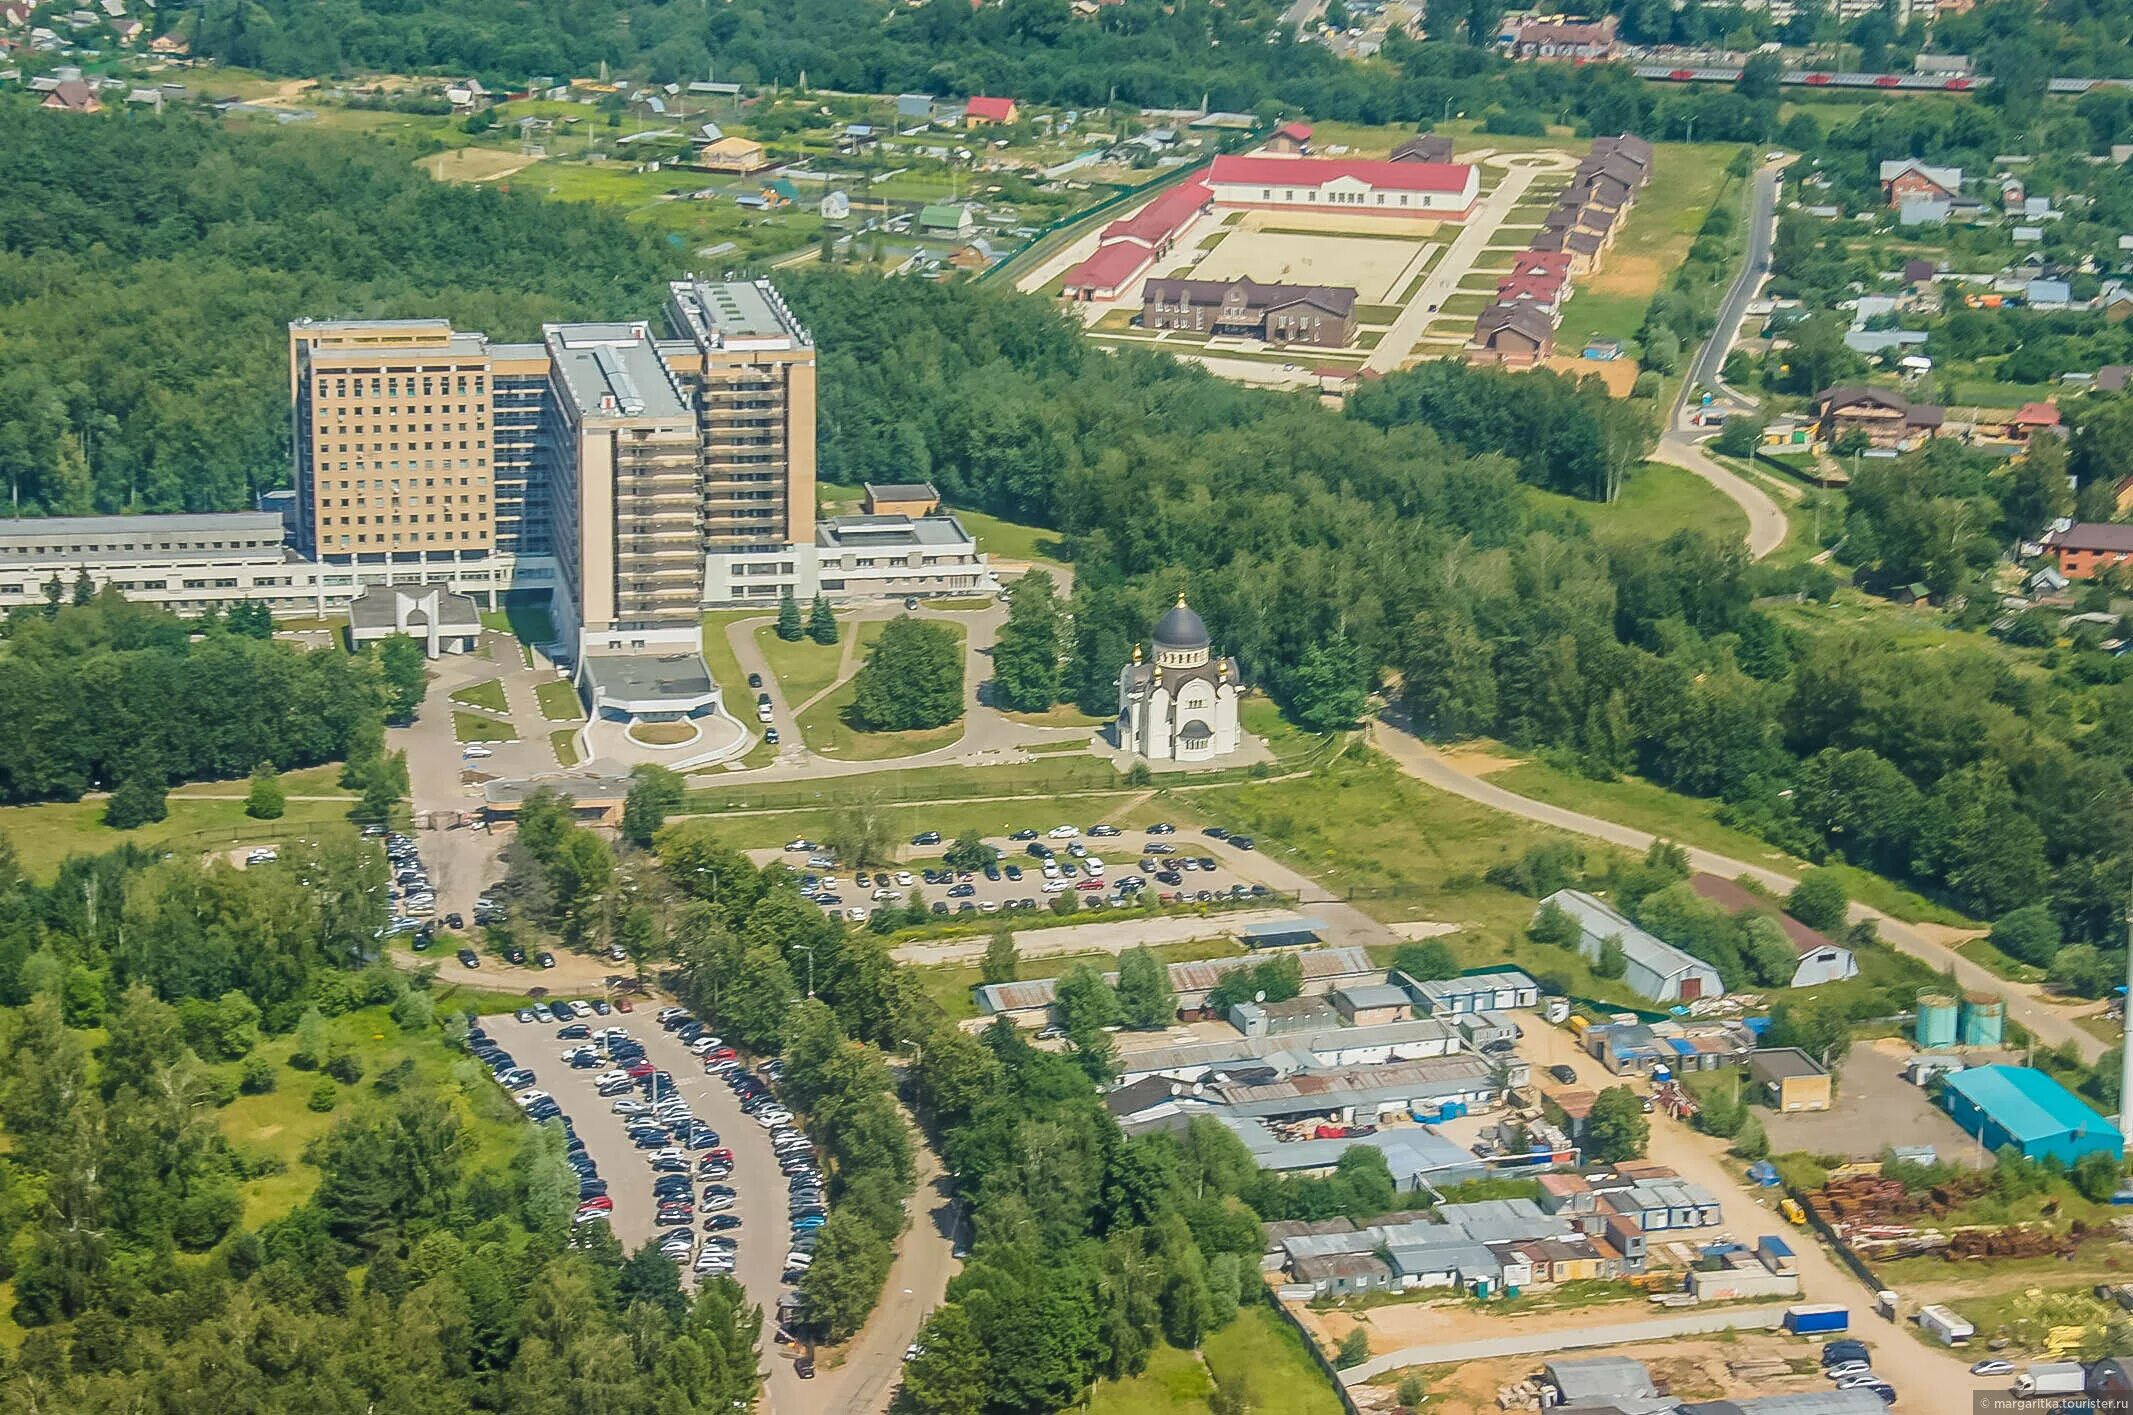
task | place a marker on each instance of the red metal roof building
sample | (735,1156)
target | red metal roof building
(1130,245)
(1441,191)
(989,110)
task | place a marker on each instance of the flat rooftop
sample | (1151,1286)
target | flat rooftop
(613,371)
(82,530)
(887,531)
(721,314)
(450,344)
(637,677)
(376,608)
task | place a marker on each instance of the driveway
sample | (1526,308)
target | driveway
(1426,764)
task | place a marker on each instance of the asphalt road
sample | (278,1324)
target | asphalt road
(1423,762)
(1755,269)
(1680,447)
(764,1231)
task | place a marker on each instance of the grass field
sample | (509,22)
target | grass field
(1257,1356)
(1657,501)
(559,701)
(1403,849)
(473,727)
(825,727)
(282,1124)
(1174,1383)
(44,835)
(1010,540)
(564,742)
(1687,180)
(487,694)
(803,668)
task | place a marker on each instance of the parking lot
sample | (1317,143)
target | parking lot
(1103,867)
(759,1185)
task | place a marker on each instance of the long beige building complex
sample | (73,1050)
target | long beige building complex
(633,474)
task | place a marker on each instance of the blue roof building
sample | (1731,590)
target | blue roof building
(2014,1105)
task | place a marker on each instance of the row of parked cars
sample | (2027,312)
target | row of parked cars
(1851,1366)
(806,1199)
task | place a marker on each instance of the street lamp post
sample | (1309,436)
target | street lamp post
(809,950)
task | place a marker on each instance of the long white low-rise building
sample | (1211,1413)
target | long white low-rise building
(192,562)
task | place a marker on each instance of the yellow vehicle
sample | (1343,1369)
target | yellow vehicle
(1792,1211)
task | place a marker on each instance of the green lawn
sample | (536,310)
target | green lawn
(1264,1355)
(472,727)
(281,1122)
(1591,314)
(1010,540)
(1657,501)
(804,668)
(44,835)
(524,616)
(825,729)
(564,741)
(486,694)
(1404,850)
(1174,1383)
(559,701)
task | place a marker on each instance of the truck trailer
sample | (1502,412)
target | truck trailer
(1817,1319)
(2051,1378)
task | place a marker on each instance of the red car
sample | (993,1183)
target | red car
(622,1004)
(721,1054)
(597,1204)
(638,1070)
(719,1156)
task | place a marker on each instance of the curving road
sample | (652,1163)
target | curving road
(1679,445)
(1429,766)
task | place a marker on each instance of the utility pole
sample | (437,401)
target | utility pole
(2125,1030)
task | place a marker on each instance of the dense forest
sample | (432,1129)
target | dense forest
(149,268)
(429,1268)
(1239,56)
(103,693)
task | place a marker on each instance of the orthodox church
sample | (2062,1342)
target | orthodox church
(1183,706)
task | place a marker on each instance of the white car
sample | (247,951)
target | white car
(1064,832)
(884,895)
(1051,869)
(609,1078)
(581,1008)
(527,1098)
(799,1259)
(768,1118)
(1056,886)
(821,862)
(589,1216)
(716,1202)
(1845,1370)
(477,751)
(1093,865)
(856,914)
(799,847)
(629,1107)
(703,1044)
(1993,1366)
(713,1261)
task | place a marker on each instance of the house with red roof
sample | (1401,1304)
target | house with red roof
(1437,191)
(1546,291)
(1289,140)
(1106,274)
(1541,263)
(2033,418)
(981,112)
(72,96)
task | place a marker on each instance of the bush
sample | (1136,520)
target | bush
(1354,1348)
(324,1096)
(1819,901)
(2029,933)
(257,1077)
(345,1067)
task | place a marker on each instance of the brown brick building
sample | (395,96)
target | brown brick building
(1319,315)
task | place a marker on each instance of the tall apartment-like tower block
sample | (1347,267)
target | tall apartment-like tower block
(393,427)
(749,369)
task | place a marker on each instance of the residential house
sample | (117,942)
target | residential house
(2111,378)
(72,96)
(1822,959)
(983,112)
(1546,291)
(2087,548)
(1906,179)
(1919,272)
(1424,147)
(1886,419)
(1656,969)
(1635,150)
(1289,140)
(2047,294)
(732,154)
(1515,335)
(1318,315)
(1582,41)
